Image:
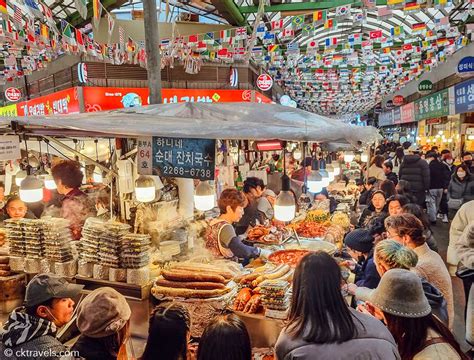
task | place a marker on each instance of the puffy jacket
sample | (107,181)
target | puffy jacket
(373,341)
(392,177)
(461,190)
(416,171)
(463,217)
(447,174)
(437,302)
(92,349)
(437,173)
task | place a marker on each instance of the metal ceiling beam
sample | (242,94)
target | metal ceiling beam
(230,11)
(76,20)
(301,6)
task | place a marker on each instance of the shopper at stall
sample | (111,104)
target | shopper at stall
(16,209)
(389,254)
(421,215)
(366,193)
(464,216)
(304,169)
(225,338)
(416,171)
(322,326)
(467,159)
(389,174)
(447,161)
(75,206)
(399,301)
(48,306)
(253,189)
(388,187)
(461,187)
(395,204)
(404,188)
(103,319)
(408,230)
(376,209)
(376,168)
(168,333)
(360,245)
(265,206)
(398,159)
(221,239)
(437,186)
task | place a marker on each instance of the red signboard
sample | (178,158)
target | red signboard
(264,82)
(407,113)
(12,94)
(107,98)
(58,103)
(398,100)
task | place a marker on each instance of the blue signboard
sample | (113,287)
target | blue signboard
(386,118)
(464,97)
(177,157)
(466,66)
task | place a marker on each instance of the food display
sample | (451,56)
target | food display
(288,257)
(310,229)
(276,298)
(335,235)
(265,235)
(317,215)
(341,219)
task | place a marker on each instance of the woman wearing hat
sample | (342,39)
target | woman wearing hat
(399,301)
(103,319)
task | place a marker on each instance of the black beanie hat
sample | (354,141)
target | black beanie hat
(359,240)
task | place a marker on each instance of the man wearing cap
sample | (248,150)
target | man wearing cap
(30,332)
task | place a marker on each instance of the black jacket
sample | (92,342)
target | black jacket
(416,171)
(436,301)
(366,273)
(392,177)
(365,196)
(447,174)
(92,349)
(437,175)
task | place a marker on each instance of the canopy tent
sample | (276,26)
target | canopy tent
(233,121)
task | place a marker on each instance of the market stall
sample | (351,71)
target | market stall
(153,240)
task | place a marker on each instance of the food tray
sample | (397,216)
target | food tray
(290,257)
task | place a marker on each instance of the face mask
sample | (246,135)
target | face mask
(449,161)
(468,163)
(461,174)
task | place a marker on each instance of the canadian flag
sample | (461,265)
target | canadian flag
(277,25)
(377,34)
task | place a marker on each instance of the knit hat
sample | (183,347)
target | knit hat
(400,293)
(102,313)
(359,240)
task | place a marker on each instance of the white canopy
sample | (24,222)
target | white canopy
(251,121)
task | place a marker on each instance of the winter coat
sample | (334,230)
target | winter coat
(367,274)
(437,173)
(368,217)
(31,337)
(430,240)
(416,171)
(437,351)
(447,174)
(463,217)
(461,190)
(376,172)
(438,304)
(365,196)
(92,349)
(373,341)
(392,177)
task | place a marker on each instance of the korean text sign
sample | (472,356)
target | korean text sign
(464,97)
(176,157)
(435,105)
(58,103)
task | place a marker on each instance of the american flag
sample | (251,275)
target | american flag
(17,16)
(121,35)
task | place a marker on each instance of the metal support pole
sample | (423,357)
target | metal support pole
(152,43)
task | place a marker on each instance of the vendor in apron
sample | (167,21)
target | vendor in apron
(221,239)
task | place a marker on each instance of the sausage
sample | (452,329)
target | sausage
(279,271)
(202,269)
(195,285)
(188,293)
(183,275)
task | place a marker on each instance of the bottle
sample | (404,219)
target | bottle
(239,184)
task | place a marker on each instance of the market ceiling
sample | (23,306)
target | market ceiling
(352,54)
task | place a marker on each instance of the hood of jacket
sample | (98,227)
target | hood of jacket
(436,300)
(21,328)
(411,159)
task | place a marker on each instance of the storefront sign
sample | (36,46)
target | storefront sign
(176,157)
(82,72)
(407,113)
(10,148)
(58,103)
(109,98)
(398,100)
(464,97)
(12,94)
(435,105)
(386,118)
(389,105)
(433,121)
(8,111)
(264,82)
(397,115)
(466,66)
(425,87)
(378,109)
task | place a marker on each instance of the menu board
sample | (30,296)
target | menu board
(177,157)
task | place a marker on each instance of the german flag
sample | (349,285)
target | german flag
(418,27)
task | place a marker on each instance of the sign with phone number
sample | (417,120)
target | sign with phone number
(176,157)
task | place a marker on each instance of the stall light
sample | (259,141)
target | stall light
(470,137)
(445,140)
(418,138)
(145,190)
(204,196)
(324,173)
(31,189)
(330,169)
(314,180)
(285,206)
(269,145)
(364,157)
(349,157)
(49,182)
(428,140)
(297,154)
(440,132)
(437,136)
(19,177)
(336,165)
(450,140)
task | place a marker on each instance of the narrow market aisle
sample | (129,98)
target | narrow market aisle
(441,232)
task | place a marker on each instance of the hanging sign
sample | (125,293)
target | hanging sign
(386,118)
(264,82)
(433,121)
(398,100)
(58,103)
(397,115)
(82,72)
(389,105)
(12,94)
(10,148)
(435,105)
(378,109)
(464,97)
(407,113)
(425,87)
(466,66)
(177,157)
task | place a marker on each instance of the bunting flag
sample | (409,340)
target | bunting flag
(3,7)
(277,25)
(225,35)
(81,7)
(308,30)
(110,27)
(375,35)
(17,17)
(411,7)
(418,28)
(343,11)
(297,22)
(360,18)
(241,33)
(96,12)
(397,31)
(80,40)
(33,9)
(44,31)
(121,36)
(319,17)
(288,34)
(330,24)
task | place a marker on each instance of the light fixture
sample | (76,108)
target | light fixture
(49,182)
(324,173)
(440,132)
(450,140)
(330,168)
(204,196)
(336,165)
(428,140)
(20,176)
(470,137)
(349,157)
(364,157)
(31,189)
(269,145)
(297,154)
(314,180)
(145,190)
(97,174)
(285,206)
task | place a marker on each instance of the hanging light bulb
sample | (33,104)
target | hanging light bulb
(330,169)
(49,182)
(324,173)
(297,154)
(285,206)
(204,196)
(97,174)
(31,189)
(145,190)
(19,177)
(314,180)
(349,157)
(364,157)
